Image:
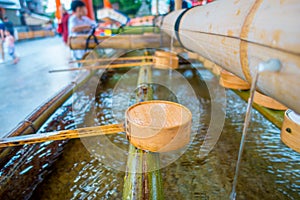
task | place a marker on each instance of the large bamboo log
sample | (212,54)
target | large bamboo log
(122,41)
(239,34)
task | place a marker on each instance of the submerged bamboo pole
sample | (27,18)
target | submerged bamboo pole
(238,35)
(143,178)
(61,135)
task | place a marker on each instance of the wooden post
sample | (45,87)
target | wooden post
(178,4)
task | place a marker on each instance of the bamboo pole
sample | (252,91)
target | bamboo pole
(240,34)
(103,67)
(61,135)
(121,41)
(143,178)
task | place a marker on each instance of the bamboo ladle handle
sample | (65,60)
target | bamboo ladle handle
(112,59)
(135,64)
(61,135)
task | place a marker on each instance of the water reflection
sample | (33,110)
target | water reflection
(269,169)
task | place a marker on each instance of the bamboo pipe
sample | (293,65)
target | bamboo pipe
(103,67)
(122,41)
(240,34)
(61,135)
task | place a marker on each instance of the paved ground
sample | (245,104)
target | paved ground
(26,85)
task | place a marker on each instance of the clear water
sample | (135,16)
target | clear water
(269,169)
(244,135)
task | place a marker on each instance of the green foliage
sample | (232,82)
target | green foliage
(129,7)
(98,3)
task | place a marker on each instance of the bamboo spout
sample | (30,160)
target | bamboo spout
(238,35)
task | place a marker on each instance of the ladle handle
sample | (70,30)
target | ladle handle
(61,135)
(133,64)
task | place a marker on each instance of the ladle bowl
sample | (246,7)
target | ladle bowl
(158,126)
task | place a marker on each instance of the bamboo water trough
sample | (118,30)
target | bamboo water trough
(239,34)
(129,41)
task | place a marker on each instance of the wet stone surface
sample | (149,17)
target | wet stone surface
(27,85)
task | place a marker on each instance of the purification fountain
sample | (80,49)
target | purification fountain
(196,146)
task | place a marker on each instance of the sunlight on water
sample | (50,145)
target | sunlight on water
(269,169)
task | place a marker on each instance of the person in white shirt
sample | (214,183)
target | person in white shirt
(79,24)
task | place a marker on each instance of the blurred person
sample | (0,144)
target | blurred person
(49,26)
(2,28)
(79,24)
(10,45)
(9,25)
(64,24)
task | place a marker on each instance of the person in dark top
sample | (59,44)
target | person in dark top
(9,25)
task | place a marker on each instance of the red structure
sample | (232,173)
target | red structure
(200,2)
(58,10)
(107,4)
(89,6)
